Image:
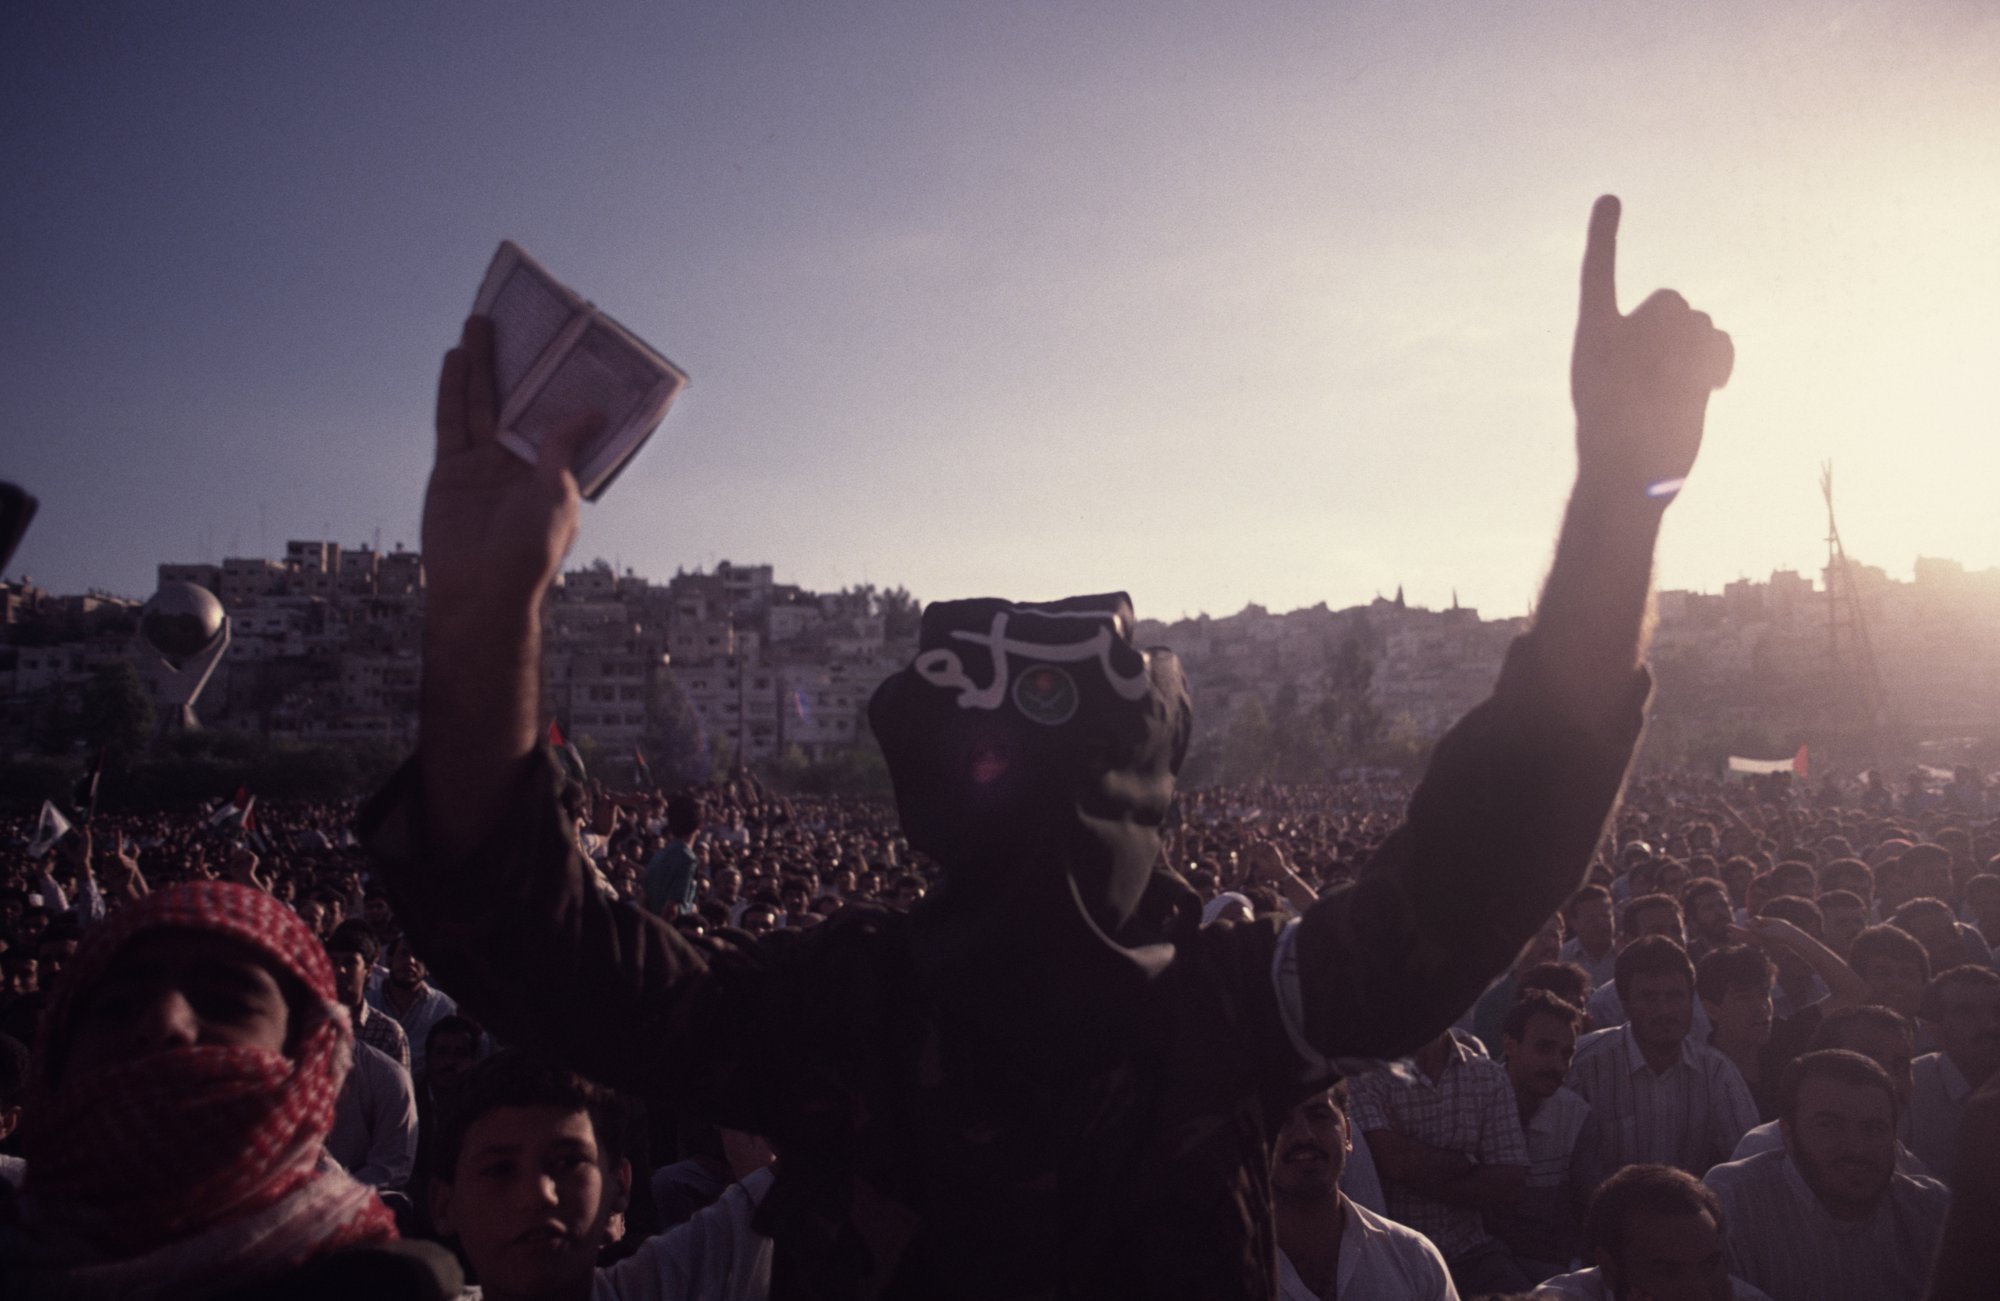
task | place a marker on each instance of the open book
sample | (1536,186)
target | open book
(555,354)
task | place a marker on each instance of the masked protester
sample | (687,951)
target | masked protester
(1047,1078)
(177,1105)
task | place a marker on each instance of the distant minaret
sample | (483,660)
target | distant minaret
(1399,597)
(1454,598)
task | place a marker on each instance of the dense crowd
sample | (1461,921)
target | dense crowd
(1052,1027)
(1764,1016)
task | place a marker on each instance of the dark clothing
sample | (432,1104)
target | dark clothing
(925,1154)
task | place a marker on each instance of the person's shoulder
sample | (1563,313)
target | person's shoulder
(1750,1172)
(1401,1238)
(381,1068)
(1566,1104)
(1598,1041)
(1583,1285)
(1922,1191)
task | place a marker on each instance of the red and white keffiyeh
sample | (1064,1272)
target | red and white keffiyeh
(196,1161)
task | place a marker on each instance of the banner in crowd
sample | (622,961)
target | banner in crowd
(1796,765)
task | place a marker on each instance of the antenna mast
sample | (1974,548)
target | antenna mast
(1854,680)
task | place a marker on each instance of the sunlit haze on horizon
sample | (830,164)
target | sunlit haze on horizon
(1216,303)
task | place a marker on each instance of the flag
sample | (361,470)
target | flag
(235,814)
(84,798)
(645,772)
(1799,765)
(566,755)
(49,828)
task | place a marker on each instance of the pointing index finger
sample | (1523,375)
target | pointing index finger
(1600,263)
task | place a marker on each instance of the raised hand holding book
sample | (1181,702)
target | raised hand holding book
(556,354)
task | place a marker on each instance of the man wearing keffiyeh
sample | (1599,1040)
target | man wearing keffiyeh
(179,1097)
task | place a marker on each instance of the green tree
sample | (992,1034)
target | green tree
(116,715)
(901,613)
(672,741)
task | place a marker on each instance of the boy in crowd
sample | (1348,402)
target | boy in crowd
(532,1185)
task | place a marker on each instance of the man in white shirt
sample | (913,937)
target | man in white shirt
(1327,1245)
(1654,1232)
(1963,1008)
(1656,1096)
(1829,1218)
(1543,1228)
(374,1134)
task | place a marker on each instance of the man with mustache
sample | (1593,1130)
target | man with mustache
(1657,1096)
(1963,1007)
(1327,1245)
(1830,1218)
(1543,1228)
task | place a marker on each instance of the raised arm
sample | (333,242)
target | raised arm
(1502,827)
(495,533)
(469,839)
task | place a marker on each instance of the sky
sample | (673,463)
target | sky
(1215,303)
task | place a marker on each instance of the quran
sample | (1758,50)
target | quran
(555,354)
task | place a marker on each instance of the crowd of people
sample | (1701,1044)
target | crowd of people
(1048,1028)
(1744,1050)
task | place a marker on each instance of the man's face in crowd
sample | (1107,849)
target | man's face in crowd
(1743,1016)
(405,968)
(760,920)
(795,899)
(531,1200)
(907,895)
(1737,879)
(1888,1046)
(728,884)
(1661,1008)
(176,989)
(448,1058)
(1538,1063)
(1675,1257)
(1843,923)
(1594,923)
(1969,1027)
(1936,931)
(1933,881)
(1711,916)
(1311,1151)
(22,975)
(1894,983)
(1844,1144)
(350,975)
(313,913)
(1546,946)
(376,913)
(1659,920)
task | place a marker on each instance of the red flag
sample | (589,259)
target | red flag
(1799,766)
(555,734)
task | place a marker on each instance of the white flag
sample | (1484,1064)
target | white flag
(49,828)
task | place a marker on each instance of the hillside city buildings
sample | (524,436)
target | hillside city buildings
(326,640)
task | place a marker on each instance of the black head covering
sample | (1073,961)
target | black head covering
(1033,749)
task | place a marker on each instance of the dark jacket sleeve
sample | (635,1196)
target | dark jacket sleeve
(522,937)
(1498,834)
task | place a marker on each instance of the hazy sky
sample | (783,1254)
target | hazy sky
(1215,302)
